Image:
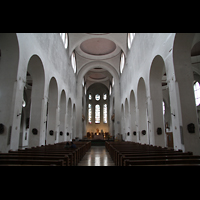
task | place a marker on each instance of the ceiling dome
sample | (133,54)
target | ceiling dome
(98,46)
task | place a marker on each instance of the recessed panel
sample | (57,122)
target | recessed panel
(98,46)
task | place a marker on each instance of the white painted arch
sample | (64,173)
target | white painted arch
(82,72)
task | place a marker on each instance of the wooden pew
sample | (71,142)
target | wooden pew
(54,154)
(14,162)
(134,154)
(161,162)
(20,156)
(157,155)
(38,153)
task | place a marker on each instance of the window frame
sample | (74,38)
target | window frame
(122,62)
(73,61)
(130,37)
(90,113)
(105,114)
(97,112)
(196,95)
(96,97)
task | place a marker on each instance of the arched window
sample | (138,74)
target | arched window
(90,97)
(97,114)
(130,39)
(113,81)
(163,103)
(104,96)
(122,62)
(64,37)
(66,41)
(197,93)
(73,62)
(105,113)
(97,97)
(89,113)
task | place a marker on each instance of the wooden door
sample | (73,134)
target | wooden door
(170,141)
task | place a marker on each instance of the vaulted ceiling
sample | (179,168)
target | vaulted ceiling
(100,49)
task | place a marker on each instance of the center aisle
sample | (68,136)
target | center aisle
(97,156)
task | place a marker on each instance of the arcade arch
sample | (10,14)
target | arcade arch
(142,108)
(80,94)
(157,71)
(132,116)
(51,134)
(35,90)
(62,129)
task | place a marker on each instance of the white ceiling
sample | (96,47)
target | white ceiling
(104,48)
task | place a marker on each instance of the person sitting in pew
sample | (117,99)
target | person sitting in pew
(73,145)
(67,146)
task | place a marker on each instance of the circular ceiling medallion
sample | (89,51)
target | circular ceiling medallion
(98,46)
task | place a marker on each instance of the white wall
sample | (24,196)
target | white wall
(139,59)
(56,63)
(174,49)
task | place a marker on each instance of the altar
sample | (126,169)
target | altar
(98,137)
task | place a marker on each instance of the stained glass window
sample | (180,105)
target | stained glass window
(104,96)
(90,97)
(89,113)
(105,113)
(163,107)
(73,62)
(122,62)
(97,97)
(197,93)
(97,114)
(64,39)
(130,39)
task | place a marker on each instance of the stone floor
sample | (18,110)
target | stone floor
(96,156)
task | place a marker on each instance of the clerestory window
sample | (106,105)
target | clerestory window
(197,93)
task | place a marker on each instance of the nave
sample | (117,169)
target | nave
(135,87)
(97,156)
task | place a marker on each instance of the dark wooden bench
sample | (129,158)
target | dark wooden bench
(157,157)
(27,153)
(161,162)
(141,154)
(13,162)
(55,154)
(65,158)
(134,154)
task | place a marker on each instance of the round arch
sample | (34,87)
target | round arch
(142,108)
(101,64)
(35,81)
(126,120)
(157,71)
(80,75)
(69,119)
(52,111)
(61,135)
(132,116)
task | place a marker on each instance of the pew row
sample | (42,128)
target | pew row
(136,154)
(52,155)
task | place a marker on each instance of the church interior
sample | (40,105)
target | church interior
(139,89)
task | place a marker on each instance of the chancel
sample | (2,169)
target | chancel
(132,94)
